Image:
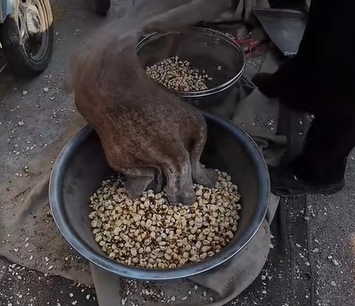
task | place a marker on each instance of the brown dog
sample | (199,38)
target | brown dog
(147,133)
(148,15)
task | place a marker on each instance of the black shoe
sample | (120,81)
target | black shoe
(285,183)
(266,84)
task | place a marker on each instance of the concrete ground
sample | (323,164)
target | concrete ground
(332,243)
(21,286)
(33,114)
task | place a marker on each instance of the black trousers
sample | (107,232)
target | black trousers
(320,80)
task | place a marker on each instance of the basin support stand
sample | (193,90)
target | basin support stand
(107,286)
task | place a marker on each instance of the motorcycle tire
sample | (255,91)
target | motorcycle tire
(21,61)
(101,7)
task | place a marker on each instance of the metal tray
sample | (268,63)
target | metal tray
(284,27)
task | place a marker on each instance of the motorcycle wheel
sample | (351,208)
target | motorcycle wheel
(101,7)
(27,37)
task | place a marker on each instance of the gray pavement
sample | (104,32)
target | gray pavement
(24,287)
(332,243)
(33,114)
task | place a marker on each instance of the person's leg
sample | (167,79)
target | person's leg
(319,80)
(324,61)
(295,73)
(321,166)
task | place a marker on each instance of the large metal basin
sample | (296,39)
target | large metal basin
(81,166)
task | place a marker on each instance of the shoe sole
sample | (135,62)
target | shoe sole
(287,193)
